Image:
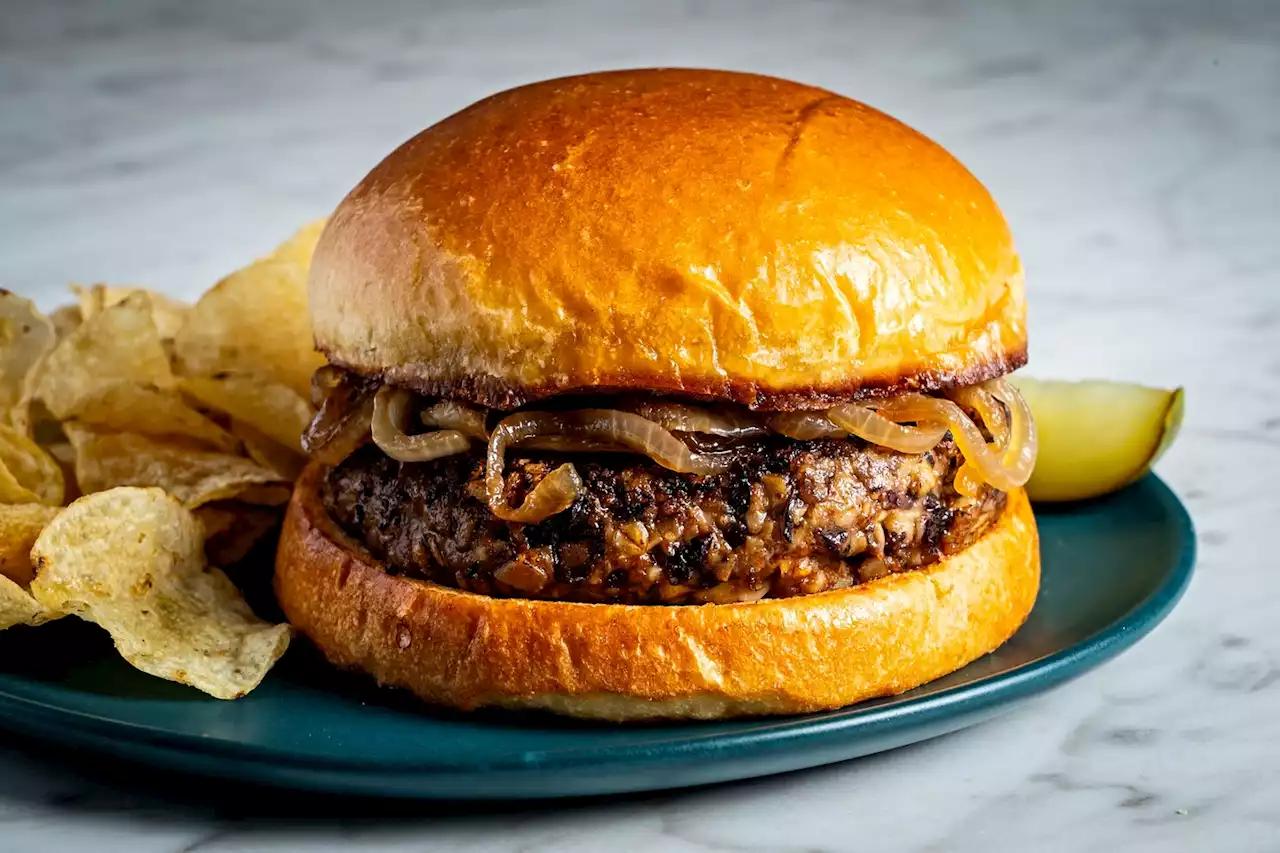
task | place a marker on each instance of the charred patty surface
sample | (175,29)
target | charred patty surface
(789,518)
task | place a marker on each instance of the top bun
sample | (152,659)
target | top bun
(699,233)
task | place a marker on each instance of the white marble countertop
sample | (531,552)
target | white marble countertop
(1134,147)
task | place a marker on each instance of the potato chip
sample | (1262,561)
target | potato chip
(26,336)
(194,477)
(18,607)
(61,451)
(20,524)
(65,320)
(268,452)
(27,473)
(91,300)
(232,529)
(136,408)
(271,408)
(169,314)
(11,491)
(119,345)
(215,518)
(132,561)
(28,414)
(255,321)
(112,372)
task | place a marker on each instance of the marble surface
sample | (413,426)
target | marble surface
(1135,148)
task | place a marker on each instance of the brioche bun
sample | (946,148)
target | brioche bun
(702,233)
(618,662)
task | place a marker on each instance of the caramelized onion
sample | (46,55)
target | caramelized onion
(679,417)
(324,382)
(390,414)
(981,400)
(910,423)
(727,593)
(859,420)
(611,428)
(450,415)
(568,444)
(341,425)
(1019,456)
(554,494)
(1015,433)
(878,429)
(639,435)
(967,481)
(805,426)
(987,464)
(523,575)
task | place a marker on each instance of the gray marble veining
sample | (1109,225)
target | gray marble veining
(1135,148)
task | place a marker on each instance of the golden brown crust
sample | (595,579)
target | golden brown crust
(622,662)
(705,233)
(494,394)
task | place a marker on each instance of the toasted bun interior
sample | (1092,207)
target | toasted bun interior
(704,233)
(617,662)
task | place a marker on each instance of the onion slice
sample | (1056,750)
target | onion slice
(967,481)
(980,399)
(568,444)
(610,428)
(805,426)
(874,427)
(390,414)
(621,430)
(680,417)
(1020,451)
(555,493)
(988,465)
(860,420)
(341,423)
(1015,433)
(450,415)
(325,381)
(640,435)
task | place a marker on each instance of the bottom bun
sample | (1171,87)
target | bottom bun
(624,662)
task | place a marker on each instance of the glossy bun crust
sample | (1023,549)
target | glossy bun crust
(705,233)
(620,662)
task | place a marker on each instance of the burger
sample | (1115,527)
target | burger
(664,394)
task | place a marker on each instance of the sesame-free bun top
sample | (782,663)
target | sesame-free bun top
(701,233)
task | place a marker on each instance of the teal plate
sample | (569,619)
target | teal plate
(1113,568)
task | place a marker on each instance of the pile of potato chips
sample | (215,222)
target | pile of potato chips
(178,429)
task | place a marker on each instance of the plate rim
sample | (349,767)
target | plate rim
(771,733)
